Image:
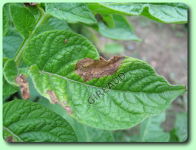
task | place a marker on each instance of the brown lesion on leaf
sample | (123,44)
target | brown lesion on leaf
(66,107)
(9,139)
(30,4)
(88,68)
(24,86)
(53,97)
(65,41)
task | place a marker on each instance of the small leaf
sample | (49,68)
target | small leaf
(113,48)
(52,23)
(121,30)
(161,12)
(23,19)
(71,12)
(10,71)
(11,43)
(151,130)
(181,129)
(30,122)
(6,19)
(120,99)
(14,76)
(8,89)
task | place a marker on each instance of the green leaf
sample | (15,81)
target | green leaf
(181,129)
(11,42)
(109,20)
(151,130)
(142,93)
(121,30)
(52,23)
(10,71)
(6,19)
(84,133)
(8,89)
(30,122)
(71,12)
(113,48)
(23,19)
(161,12)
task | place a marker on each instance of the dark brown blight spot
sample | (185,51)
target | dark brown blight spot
(53,97)
(9,139)
(68,109)
(24,86)
(88,68)
(65,41)
(30,4)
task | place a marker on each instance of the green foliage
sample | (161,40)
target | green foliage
(26,22)
(162,12)
(84,133)
(121,30)
(8,89)
(113,48)
(144,93)
(30,122)
(71,12)
(48,53)
(11,42)
(151,130)
(180,130)
(10,71)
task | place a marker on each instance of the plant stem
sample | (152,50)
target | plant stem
(42,18)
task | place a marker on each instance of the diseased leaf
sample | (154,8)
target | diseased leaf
(88,68)
(16,77)
(23,19)
(71,12)
(26,121)
(161,12)
(84,133)
(151,130)
(120,31)
(116,101)
(24,86)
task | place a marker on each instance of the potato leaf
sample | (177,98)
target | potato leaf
(23,19)
(121,30)
(161,12)
(181,129)
(114,94)
(25,121)
(71,12)
(151,130)
(11,42)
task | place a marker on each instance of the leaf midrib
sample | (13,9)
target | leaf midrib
(12,133)
(65,78)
